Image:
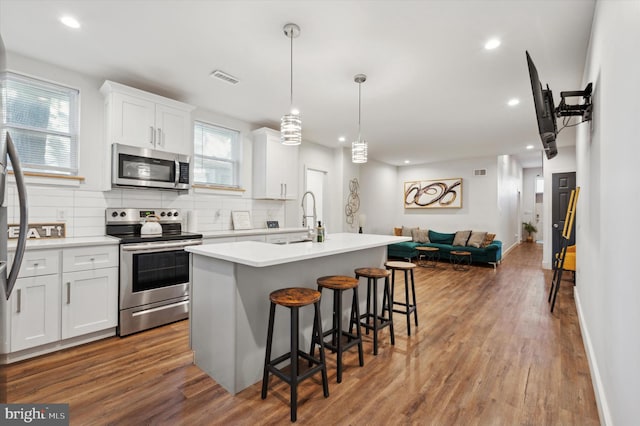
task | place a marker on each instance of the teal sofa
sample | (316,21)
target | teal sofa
(491,254)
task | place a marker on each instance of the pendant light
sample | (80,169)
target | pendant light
(290,124)
(359,147)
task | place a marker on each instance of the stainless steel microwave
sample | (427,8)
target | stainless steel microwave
(148,168)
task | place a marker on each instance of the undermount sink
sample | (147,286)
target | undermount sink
(282,243)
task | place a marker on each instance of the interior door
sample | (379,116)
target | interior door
(562,184)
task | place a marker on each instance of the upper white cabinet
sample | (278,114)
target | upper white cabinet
(138,118)
(275,167)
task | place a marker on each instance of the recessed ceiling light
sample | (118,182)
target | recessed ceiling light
(530,146)
(342,139)
(406,161)
(70,22)
(513,102)
(492,44)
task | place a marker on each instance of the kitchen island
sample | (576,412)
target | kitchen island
(230,290)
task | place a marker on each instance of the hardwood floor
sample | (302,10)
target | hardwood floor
(487,352)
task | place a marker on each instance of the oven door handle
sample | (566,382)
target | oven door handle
(159,246)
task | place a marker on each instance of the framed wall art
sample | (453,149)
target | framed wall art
(433,194)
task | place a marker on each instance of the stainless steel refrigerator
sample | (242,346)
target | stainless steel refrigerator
(8,151)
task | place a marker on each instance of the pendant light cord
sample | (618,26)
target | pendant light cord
(359,112)
(291,70)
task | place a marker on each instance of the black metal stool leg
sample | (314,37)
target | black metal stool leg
(294,363)
(337,332)
(375,316)
(388,290)
(267,356)
(415,304)
(406,300)
(325,381)
(355,313)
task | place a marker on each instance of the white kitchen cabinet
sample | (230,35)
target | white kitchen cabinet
(138,118)
(89,290)
(35,311)
(43,310)
(275,167)
(35,301)
(89,301)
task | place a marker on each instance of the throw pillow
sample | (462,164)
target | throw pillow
(397,232)
(488,239)
(406,232)
(461,238)
(476,239)
(420,235)
(441,238)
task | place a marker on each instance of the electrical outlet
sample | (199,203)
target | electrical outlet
(61,214)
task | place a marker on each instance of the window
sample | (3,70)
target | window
(216,155)
(42,119)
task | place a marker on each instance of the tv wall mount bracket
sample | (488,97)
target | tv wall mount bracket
(584,110)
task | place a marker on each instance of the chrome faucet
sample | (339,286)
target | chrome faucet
(304,215)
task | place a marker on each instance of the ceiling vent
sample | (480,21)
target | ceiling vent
(224,77)
(480,172)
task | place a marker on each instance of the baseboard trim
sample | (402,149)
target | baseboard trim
(601,400)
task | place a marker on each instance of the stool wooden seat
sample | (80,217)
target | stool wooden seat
(294,298)
(377,321)
(408,307)
(340,283)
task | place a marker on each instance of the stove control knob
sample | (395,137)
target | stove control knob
(169,214)
(123,214)
(114,214)
(163,214)
(175,214)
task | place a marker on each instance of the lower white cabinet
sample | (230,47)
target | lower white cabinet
(89,301)
(35,311)
(61,294)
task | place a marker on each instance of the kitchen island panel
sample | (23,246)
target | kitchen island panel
(231,310)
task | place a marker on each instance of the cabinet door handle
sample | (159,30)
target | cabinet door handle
(285,190)
(68,293)
(19,297)
(159,137)
(151,135)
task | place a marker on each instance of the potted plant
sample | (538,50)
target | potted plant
(531,229)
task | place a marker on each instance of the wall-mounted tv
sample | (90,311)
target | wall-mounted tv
(545,111)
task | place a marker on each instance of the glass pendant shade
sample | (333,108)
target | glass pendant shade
(290,130)
(359,151)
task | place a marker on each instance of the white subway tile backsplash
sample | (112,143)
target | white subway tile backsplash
(83,210)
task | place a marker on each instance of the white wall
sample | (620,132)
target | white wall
(509,197)
(380,198)
(320,157)
(607,285)
(564,162)
(479,210)
(528,213)
(82,206)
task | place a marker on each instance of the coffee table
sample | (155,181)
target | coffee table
(461,260)
(429,256)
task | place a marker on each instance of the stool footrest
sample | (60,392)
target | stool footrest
(352,341)
(287,377)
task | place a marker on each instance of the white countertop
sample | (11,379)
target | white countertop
(259,254)
(256,231)
(54,243)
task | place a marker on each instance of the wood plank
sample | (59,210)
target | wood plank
(487,351)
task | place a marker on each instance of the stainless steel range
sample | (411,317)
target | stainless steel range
(154,269)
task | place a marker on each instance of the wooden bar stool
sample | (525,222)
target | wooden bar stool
(340,283)
(294,298)
(378,321)
(408,307)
